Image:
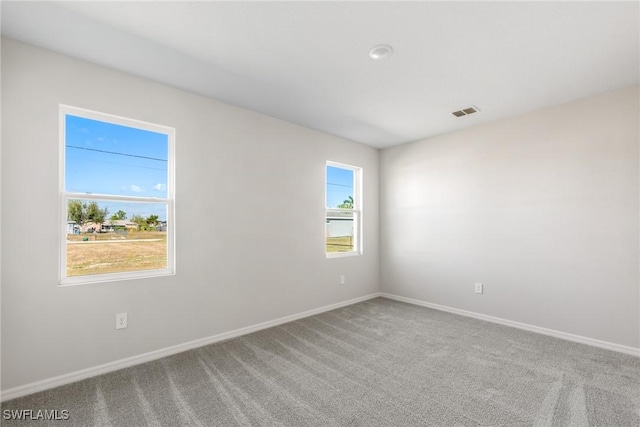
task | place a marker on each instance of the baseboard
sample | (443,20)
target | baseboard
(164,352)
(544,331)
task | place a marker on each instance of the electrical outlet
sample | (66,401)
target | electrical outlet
(342,281)
(479,289)
(121,320)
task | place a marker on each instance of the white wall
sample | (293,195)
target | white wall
(543,209)
(234,167)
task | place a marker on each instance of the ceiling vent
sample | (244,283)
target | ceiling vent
(466,111)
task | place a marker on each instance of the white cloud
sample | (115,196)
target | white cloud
(135,188)
(160,187)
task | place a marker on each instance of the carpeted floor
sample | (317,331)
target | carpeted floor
(376,363)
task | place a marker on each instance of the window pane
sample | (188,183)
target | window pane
(115,237)
(105,158)
(339,188)
(339,231)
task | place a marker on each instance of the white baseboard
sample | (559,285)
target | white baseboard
(164,352)
(544,331)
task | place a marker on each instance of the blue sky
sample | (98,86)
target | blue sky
(105,158)
(339,185)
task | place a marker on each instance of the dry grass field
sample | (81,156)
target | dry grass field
(143,250)
(339,244)
(114,253)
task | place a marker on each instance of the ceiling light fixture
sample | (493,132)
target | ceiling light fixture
(381,51)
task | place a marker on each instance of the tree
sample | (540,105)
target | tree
(140,221)
(120,215)
(76,211)
(347,204)
(152,220)
(82,213)
(94,213)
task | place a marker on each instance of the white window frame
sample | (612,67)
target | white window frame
(65,196)
(357,209)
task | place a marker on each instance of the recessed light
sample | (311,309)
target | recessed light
(381,51)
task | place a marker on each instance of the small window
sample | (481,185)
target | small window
(117,198)
(343,219)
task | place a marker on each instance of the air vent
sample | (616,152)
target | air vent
(466,111)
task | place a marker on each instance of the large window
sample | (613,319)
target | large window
(116,193)
(343,210)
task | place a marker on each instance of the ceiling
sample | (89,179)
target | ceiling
(308,63)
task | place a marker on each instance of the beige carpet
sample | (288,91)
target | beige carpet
(376,363)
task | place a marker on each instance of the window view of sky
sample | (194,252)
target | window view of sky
(105,158)
(339,186)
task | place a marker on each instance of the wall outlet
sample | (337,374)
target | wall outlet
(479,289)
(121,320)
(342,281)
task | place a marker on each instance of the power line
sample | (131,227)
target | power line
(340,185)
(119,164)
(113,152)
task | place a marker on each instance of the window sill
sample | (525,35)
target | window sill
(342,254)
(114,277)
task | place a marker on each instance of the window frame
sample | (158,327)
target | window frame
(357,209)
(65,196)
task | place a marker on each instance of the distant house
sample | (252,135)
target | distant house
(118,225)
(339,224)
(72,227)
(89,227)
(161,226)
